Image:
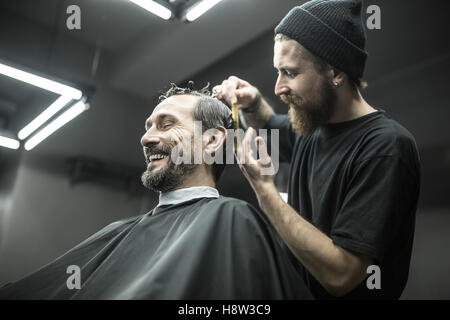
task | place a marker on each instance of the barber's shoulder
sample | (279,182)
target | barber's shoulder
(387,137)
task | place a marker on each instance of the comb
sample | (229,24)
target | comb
(235,115)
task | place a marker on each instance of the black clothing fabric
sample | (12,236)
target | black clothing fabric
(200,249)
(358,182)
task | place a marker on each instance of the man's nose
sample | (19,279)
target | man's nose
(280,87)
(150,139)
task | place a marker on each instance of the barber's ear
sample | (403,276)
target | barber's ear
(213,139)
(337,76)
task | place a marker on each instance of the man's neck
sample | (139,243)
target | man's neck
(350,105)
(198,178)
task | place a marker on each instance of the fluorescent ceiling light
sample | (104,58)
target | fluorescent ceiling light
(40,82)
(68,115)
(200,8)
(154,8)
(9,143)
(43,117)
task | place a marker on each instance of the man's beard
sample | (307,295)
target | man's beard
(307,116)
(168,177)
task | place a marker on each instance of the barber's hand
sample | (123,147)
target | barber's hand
(259,172)
(235,90)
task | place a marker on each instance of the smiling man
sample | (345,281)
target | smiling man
(195,244)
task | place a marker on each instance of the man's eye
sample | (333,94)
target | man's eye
(166,125)
(291,74)
(287,73)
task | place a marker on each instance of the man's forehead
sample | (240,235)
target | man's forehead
(178,105)
(287,52)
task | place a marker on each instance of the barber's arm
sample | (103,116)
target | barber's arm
(338,270)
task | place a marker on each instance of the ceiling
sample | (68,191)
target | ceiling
(144,47)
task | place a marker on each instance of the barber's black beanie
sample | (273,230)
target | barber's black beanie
(332,30)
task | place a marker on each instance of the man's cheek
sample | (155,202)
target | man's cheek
(181,151)
(178,136)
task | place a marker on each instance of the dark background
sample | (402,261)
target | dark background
(86,175)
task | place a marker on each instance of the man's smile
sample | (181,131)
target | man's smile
(156,160)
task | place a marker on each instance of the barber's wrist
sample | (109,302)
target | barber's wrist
(266,194)
(264,188)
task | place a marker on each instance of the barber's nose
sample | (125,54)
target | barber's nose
(280,87)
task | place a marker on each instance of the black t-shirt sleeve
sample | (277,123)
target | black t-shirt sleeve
(377,206)
(286,135)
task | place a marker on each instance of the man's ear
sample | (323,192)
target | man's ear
(337,76)
(213,139)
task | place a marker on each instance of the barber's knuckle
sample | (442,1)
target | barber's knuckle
(226,87)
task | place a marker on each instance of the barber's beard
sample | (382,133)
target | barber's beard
(168,177)
(306,116)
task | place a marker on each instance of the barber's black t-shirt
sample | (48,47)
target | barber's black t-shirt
(358,182)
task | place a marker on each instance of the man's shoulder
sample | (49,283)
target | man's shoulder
(231,205)
(112,228)
(232,208)
(388,127)
(122,222)
(384,136)
(239,216)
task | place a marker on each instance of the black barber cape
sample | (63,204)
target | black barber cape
(206,248)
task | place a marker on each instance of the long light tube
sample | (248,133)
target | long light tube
(198,9)
(43,117)
(9,143)
(68,115)
(40,82)
(154,8)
